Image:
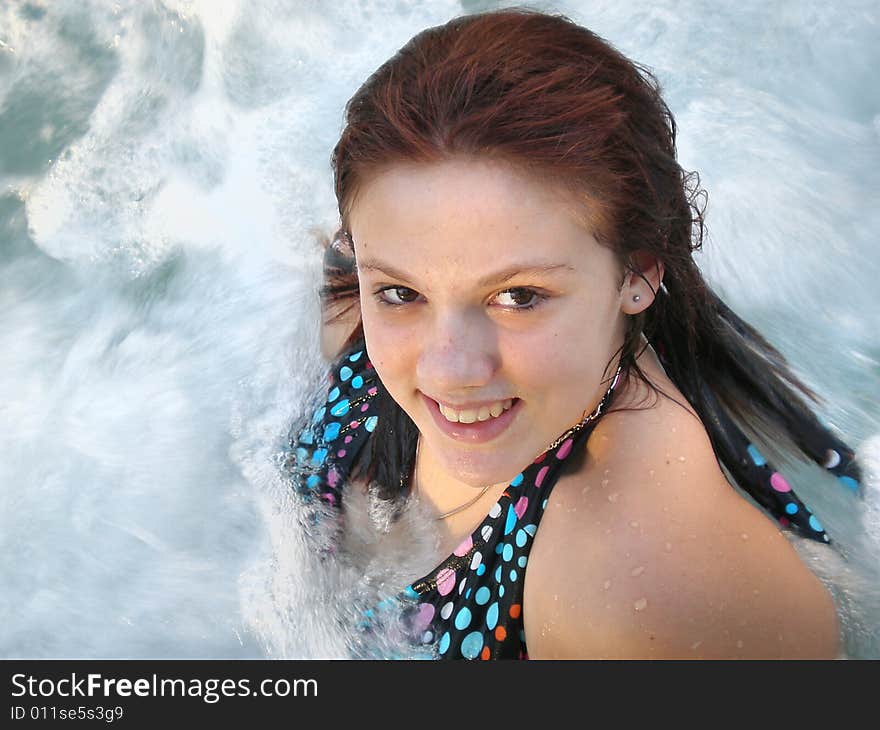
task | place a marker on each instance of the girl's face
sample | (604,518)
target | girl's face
(478,285)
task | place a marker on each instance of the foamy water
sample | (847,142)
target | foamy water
(163,170)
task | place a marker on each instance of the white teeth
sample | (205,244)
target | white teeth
(471,415)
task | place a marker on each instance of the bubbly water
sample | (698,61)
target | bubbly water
(163,173)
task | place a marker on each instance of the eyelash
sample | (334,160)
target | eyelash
(540,298)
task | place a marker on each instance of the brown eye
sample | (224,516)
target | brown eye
(523,298)
(402,293)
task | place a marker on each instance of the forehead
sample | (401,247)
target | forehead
(466,214)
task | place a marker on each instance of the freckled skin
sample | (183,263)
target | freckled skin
(449,224)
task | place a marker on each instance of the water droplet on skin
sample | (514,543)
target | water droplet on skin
(585,489)
(681,458)
(607,472)
(779,637)
(641,604)
(605,482)
(636,572)
(607,584)
(739,645)
(756,592)
(696,645)
(668,547)
(634,524)
(613,497)
(744,536)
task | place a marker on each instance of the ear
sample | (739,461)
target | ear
(644,283)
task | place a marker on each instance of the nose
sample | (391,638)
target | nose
(458,356)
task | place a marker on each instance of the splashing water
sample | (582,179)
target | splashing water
(163,171)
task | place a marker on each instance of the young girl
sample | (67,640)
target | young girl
(535,356)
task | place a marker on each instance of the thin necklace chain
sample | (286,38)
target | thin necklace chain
(594,415)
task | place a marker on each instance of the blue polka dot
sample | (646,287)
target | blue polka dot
(444,643)
(531,529)
(319,414)
(522,561)
(313,481)
(511,520)
(498,548)
(306,437)
(791,508)
(301,455)
(370,423)
(815,524)
(331,430)
(340,409)
(521,538)
(463,619)
(471,645)
(354,357)
(498,574)
(544,504)
(507,552)
(757,458)
(333,395)
(517,480)
(481,568)
(357,382)
(410,592)
(345,373)
(513,576)
(492,616)
(850,483)
(501,591)
(467,593)
(319,456)
(482,596)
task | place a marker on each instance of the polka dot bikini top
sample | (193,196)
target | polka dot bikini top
(470,606)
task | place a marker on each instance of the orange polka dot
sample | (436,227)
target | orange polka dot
(485,653)
(514,610)
(500,633)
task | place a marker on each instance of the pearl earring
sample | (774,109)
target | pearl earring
(636,297)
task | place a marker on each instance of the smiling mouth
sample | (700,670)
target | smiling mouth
(477,431)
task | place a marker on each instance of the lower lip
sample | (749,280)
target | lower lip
(478,432)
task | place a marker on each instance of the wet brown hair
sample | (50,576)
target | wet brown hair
(552,98)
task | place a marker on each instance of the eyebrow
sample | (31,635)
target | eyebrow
(498,277)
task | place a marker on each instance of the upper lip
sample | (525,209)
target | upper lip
(472,405)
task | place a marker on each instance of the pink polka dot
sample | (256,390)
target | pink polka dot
(465,546)
(340,453)
(784,521)
(332,477)
(354,424)
(564,449)
(364,407)
(424,616)
(445,581)
(329,497)
(541,474)
(348,439)
(373,390)
(520,507)
(777,481)
(541,458)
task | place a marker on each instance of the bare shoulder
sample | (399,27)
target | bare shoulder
(648,552)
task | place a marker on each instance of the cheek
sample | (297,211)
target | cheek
(387,349)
